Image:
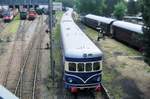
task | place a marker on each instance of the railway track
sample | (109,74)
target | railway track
(104,91)
(24,25)
(12,75)
(19,32)
(26,84)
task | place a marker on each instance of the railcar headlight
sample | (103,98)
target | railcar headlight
(98,79)
(70,80)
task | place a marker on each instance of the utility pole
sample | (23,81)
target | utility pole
(50,9)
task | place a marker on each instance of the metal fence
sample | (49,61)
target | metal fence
(23,2)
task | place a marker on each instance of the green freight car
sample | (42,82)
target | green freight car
(23,14)
(39,11)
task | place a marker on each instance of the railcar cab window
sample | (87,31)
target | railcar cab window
(80,66)
(72,67)
(88,67)
(96,66)
(84,67)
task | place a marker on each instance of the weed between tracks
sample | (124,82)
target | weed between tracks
(8,34)
(57,58)
(11,29)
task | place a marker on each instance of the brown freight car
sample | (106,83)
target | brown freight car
(128,33)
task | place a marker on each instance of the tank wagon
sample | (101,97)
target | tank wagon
(1,12)
(32,14)
(39,11)
(23,14)
(9,14)
(82,59)
(126,32)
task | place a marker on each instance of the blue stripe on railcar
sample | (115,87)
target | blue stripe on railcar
(82,79)
(83,59)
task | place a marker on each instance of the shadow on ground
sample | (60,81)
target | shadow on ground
(130,89)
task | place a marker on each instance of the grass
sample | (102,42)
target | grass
(108,79)
(110,74)
(57,51)
(111,44)
(11,28)
(56,48)
(147,69)
(123,65)
(8,33)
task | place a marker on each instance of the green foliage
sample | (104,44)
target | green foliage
(120,9)
(139,5)
(90,6)
(146,30)
(132,7)
(67,3)
(110,7)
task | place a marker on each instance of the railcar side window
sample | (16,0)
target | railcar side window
(80,67)
(96,66)
(88,66)
(72,67)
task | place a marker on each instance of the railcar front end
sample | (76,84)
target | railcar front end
(84,73)
(82,58)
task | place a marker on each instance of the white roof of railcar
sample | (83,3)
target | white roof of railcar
(100,18)
(43,6)
(75,42)
(129,26)
(5,7)
(5,94)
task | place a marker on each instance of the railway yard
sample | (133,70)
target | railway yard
(25,63)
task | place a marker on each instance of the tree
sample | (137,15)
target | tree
(120,9)
(67,3)
(90,6)
(132,7)
(146,30)
(110,7)
(139,5)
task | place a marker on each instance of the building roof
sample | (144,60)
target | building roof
(5,94)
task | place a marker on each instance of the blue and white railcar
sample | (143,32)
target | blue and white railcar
(82,58)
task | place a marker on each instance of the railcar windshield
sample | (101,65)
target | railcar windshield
(88,67)
(72,66)
(85,67)
(80,66)
(96,66)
